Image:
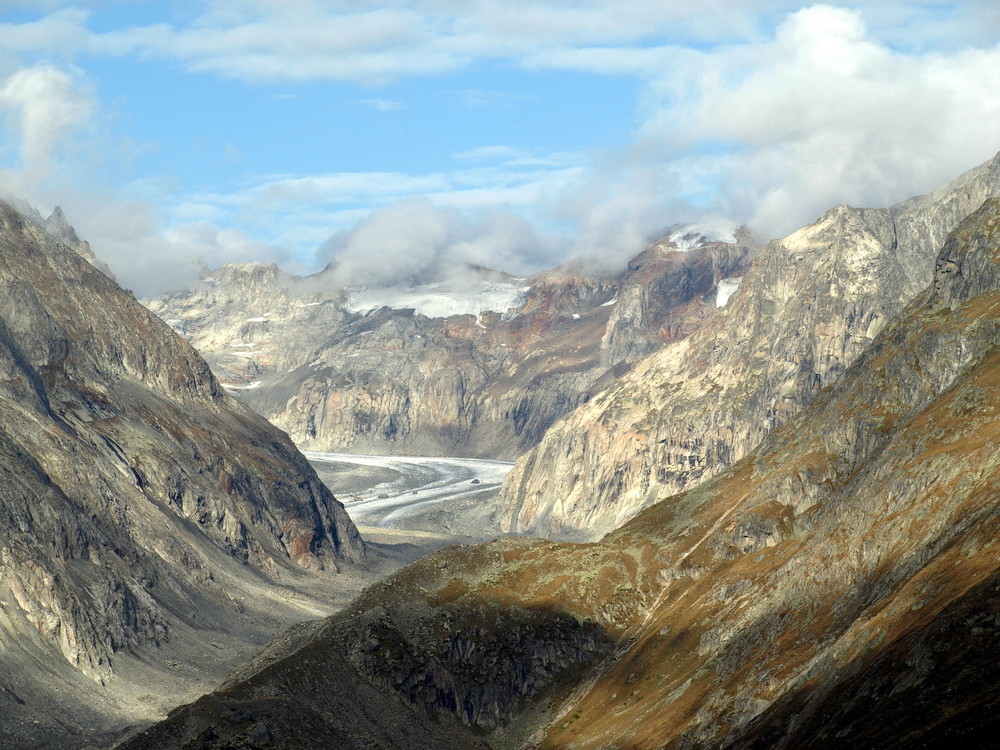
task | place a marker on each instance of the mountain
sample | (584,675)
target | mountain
(837,587)
(143,509)
(477,365)
(59,228)
(810,304)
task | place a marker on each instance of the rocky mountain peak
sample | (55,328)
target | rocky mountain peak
(474,362)
(253,272)
(57,225)
(134,486)
(969,263)
(685,237)
(806,309)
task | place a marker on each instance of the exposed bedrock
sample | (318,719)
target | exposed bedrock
(836,587)
(341,377)
(128,475)
(807,308)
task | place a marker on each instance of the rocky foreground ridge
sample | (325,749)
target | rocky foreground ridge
(135,490)
(837,587)
(808,307)
(339,375)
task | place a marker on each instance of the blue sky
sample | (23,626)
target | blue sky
(515,134)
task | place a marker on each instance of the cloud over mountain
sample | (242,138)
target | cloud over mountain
(766,112)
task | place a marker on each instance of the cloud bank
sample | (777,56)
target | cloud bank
(418,240)
(767,112)
(42,108)
(825,114)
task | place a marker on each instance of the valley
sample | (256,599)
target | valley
(837,586)
(711,470)
(519,375)
(399,492)
(156,533)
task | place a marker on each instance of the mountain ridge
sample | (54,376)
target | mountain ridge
(141,501)
(339,375)
(808,306)
(834,587)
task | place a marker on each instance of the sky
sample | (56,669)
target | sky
(396,137)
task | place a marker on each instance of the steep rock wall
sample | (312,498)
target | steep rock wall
(810,304)
(122,457)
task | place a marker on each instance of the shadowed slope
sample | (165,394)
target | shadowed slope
(132,485)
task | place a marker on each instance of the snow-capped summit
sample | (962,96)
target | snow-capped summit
(689,236)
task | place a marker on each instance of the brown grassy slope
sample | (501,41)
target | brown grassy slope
(841,547)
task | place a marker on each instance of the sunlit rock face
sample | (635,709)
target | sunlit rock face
(476,365)
(838,587)
(128,475)
(809,305)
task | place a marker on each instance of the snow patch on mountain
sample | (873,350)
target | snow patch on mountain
(439,300)
(726,289)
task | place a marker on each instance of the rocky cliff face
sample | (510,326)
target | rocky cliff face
(661,297)
(810,304)
(838,587)
(130,479)
(339,370)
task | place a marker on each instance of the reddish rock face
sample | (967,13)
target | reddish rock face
(393,381)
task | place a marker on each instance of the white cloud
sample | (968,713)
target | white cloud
(372,43)
(827,39)
(614,210)
(492,99)
(416,237)
(763,110)
(50,116)
(521,158)
(644,62)
(383,105)
(825,115)
(301,211)
(392,244)
(291,42)
(59,32)
(150,258)
(42,105)
(340,188)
